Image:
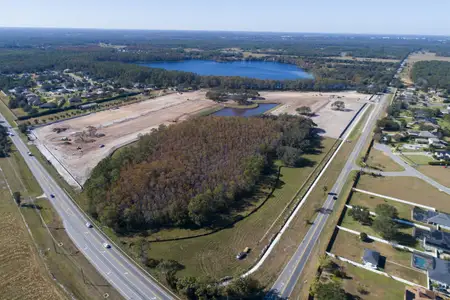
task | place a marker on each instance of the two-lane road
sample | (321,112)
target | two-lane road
(286,281)
(118,270)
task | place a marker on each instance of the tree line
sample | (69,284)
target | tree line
(431,74)
(195,173)
(5,144)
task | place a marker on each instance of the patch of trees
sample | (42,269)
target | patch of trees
(239,96)
(338,105)
(304,110)
(435,74)
(388,124)
(196,172)
(5,144)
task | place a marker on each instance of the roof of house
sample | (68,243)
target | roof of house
(438,239)
(417,293)
(441,271)
(440,219)
(371,256)
(426,134)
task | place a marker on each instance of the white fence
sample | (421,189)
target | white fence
(394,199)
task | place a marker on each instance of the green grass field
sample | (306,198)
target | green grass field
(377,286)
(419,159)
(371,202)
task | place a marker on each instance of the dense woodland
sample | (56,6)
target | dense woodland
(196,172)
(432,74)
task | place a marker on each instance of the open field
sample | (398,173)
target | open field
(418,159)
(415,57)
(378,286)
(371,202)
(406,188)
(210,256)
(331,121)
(398,262)
(380,161)
(69,268)
(22,272)
(351,58)
(81,151)
(438,173)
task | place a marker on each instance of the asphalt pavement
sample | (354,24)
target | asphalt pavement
(131,281)
(287,280)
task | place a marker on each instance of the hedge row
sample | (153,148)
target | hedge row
(439,163)
(61,109)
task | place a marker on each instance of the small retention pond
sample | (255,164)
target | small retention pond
(245,112)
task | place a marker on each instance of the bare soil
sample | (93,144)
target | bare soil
(80,143)
(331,121)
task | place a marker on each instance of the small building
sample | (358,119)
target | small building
(435,218)
(371,258)
(413,133)
(426,135)
(89,105)
(421,141)
(433,240)
(75,100)
(48,105)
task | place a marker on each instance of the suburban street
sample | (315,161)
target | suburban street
(112,264)
(287,280)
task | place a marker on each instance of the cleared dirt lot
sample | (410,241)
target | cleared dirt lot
(78,145)
(331,121)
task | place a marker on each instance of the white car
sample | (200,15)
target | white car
(88,225)
(29,153)
(106,245)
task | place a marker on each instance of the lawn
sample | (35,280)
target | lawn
(406,188)
(381,161)
(66,264)
(405,232)
(398,262)
(371,202)
(419,159)
(214,255)
(360,126)
(377,286)
(438,173)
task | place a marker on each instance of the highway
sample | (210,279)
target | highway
(287,280)
(131,281)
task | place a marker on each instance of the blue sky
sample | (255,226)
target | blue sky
(333,16)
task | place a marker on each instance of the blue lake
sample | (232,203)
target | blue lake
(251,69)
(245,112)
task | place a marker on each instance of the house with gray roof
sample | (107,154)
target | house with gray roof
(371,258)
(440,275)
(438,219)
(433,240)
(426,135)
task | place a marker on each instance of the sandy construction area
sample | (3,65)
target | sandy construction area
(331,121)
(82,142)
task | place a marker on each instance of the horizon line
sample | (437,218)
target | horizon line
(227,31)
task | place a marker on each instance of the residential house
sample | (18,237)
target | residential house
(433,240)
(438,219)
(426,135)
(89,105)
(33,99)
(442,155)
(418,293)
(439,275)
(421,141)
(74,100)
(48,105)
(371,258)
(413,133)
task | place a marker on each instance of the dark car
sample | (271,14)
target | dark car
(52,195)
